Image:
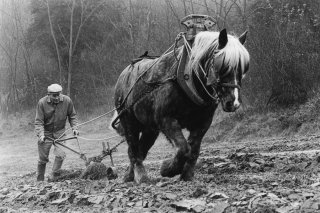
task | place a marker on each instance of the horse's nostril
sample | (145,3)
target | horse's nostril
(229,104)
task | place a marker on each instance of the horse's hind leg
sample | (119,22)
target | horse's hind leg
(175,165)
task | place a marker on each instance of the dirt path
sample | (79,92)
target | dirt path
(270,175)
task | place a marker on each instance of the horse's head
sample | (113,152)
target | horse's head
(224,61)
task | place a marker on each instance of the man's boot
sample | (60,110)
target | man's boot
(56,169)
(41,171)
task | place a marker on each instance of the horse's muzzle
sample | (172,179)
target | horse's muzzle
(230,106)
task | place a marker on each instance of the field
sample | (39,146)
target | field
(265,175)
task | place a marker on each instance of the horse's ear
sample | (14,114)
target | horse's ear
(243,37)
(223,38)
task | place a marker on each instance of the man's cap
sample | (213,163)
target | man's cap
(54,88)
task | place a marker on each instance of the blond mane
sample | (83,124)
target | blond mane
(206,43)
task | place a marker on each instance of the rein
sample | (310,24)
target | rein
(229,85)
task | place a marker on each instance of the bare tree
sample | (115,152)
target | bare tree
(185,7)
(191,4)
(14,49)
(71,47)
(55,42)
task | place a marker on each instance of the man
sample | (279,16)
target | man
(52,112)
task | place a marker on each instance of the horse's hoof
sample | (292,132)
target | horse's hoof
(168,169)
(140,174)
(128,176)
(142,179)
(186,177)
(187,173)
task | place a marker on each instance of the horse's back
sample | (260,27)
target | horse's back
(129,76)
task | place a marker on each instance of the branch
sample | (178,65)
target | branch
(55,41)
(70,49)
(64,38)
(82,22)
(173,11)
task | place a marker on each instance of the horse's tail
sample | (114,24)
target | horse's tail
(116,125)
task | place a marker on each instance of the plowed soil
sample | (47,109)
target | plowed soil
(265,175)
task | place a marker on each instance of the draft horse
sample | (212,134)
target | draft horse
(149,101)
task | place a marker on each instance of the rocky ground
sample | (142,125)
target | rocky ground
(266,175)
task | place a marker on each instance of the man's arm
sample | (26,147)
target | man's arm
(39,120)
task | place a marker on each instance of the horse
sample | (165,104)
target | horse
(149,100)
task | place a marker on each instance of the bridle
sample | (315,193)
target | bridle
(217,85)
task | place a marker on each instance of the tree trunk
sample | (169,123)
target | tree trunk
(207,8)
(168,23)
(192,8)
(70,51)
(185,8)
(55,43)
(174,12)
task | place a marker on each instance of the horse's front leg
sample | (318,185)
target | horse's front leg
(137,152)
(136,171)
(132,150)
(194,140)
(146,141)
(172,130)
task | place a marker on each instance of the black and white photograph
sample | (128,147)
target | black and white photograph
(160,106)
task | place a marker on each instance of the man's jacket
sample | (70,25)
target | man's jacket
(51,118)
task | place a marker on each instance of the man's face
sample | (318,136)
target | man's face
(54,97)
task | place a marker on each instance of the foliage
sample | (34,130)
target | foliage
(39,31)
(92,22)
(284,36)
(283,43)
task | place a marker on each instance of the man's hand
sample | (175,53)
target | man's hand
(41,139)
(75,132)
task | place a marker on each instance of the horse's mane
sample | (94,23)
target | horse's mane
(206,44)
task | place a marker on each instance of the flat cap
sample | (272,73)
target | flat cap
(54,88)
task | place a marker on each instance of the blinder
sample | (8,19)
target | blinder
(214,78)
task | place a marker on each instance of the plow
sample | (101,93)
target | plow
(95,169)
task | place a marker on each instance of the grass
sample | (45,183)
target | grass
(251,122)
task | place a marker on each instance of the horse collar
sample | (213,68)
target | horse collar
(186,82)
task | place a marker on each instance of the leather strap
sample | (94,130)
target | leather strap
(185,80)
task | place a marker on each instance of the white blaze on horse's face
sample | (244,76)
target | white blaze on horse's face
(230,93)
(236,102)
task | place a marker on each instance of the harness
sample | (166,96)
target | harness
(184,77)
(195,24)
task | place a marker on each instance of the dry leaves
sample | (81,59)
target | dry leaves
(237,182)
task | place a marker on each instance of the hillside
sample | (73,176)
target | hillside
(245,124)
